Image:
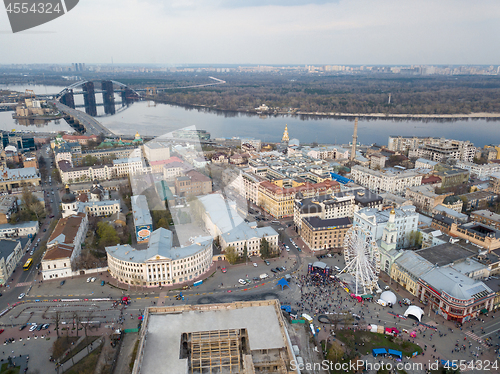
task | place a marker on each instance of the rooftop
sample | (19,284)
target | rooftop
(18,225)
(7,246)
(487,214)
(456,284)
(160,244)
(326,224)
(6,203)
(18,174)
(140,210)
(413,263)
(166,325)
(444,254)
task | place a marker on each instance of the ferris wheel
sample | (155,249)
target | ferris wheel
(362,260)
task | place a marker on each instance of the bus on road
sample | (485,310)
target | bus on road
(28,263)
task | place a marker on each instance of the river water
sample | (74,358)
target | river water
(148,119)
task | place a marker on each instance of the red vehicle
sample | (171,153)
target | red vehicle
(1,330)
(125,300)
(224,270)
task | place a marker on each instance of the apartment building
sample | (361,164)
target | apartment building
(63,246)
(193,183)
(337,205)
(278,201)
(384,180)
(480,171)
(374,220)
(405,143)
(325,234)
(442,149)
(486,217)
(424,197)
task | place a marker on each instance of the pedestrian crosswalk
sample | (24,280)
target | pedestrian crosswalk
(23,284)
(473,336)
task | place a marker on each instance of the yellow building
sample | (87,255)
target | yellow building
(278,200)
(407,270)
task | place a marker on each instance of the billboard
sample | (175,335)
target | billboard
(142,233)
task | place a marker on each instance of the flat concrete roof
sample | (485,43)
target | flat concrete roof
(443,254)
(164,332)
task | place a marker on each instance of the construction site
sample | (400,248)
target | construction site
(240,337)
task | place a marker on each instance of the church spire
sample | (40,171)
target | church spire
(285,138)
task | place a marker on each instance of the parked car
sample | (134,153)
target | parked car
(33,327)
(103,283)
(1,330)
(62,282)
(46,326)
(22,327)
(267,263)
(242,281)
(274,270)
(39,327)
(278,269)
(255,264)
(93,279)
(224,270)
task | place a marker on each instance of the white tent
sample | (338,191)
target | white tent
(389,297)
(414,311)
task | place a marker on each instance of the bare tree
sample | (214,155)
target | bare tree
(57,320)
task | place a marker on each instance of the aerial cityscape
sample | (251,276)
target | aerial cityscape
(271,187)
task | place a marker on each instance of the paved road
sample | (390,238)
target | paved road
(92,126)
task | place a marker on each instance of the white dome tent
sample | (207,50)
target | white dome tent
(414,311)
(389,297)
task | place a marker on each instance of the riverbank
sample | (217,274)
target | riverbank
(338,115)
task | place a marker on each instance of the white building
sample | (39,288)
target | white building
(422,163)
(329,153)
(63,246)
(95,204)
(384,180)
(174,169)
(15,230)
(222,221)
(160,264)
(482,172)
(374,220)
(10,254)
(129,166)
(155,151)
(442,149)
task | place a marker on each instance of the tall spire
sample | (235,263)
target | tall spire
(354,139)
(285,138)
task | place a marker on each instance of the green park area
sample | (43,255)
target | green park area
(351,345)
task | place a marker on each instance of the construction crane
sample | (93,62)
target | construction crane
(30,93)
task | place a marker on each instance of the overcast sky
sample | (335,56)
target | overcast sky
(263,32)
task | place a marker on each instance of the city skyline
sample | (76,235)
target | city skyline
(299,32)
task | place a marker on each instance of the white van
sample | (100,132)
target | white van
(336,268)
(382,302)
(264,276)
(307,317)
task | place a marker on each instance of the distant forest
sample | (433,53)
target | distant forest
(346,94)
(291,92)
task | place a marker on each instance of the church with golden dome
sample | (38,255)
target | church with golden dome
(285,138)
